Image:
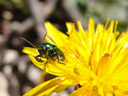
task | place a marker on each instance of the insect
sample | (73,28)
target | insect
(48,51)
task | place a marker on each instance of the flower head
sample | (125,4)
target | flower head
(95,59)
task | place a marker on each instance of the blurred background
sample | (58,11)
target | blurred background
(26,17)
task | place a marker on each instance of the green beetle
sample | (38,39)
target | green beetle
(47,50)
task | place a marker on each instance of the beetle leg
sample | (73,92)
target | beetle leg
(45,65)
(59,59)
(38,59)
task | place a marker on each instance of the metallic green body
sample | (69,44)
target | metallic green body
(47,50)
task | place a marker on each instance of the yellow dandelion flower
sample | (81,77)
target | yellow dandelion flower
(95,59)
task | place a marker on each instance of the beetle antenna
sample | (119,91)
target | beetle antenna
(44,37)
(28,42)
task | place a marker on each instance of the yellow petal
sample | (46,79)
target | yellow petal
(85,91)
(46,88)
(32,51)
(55,34)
